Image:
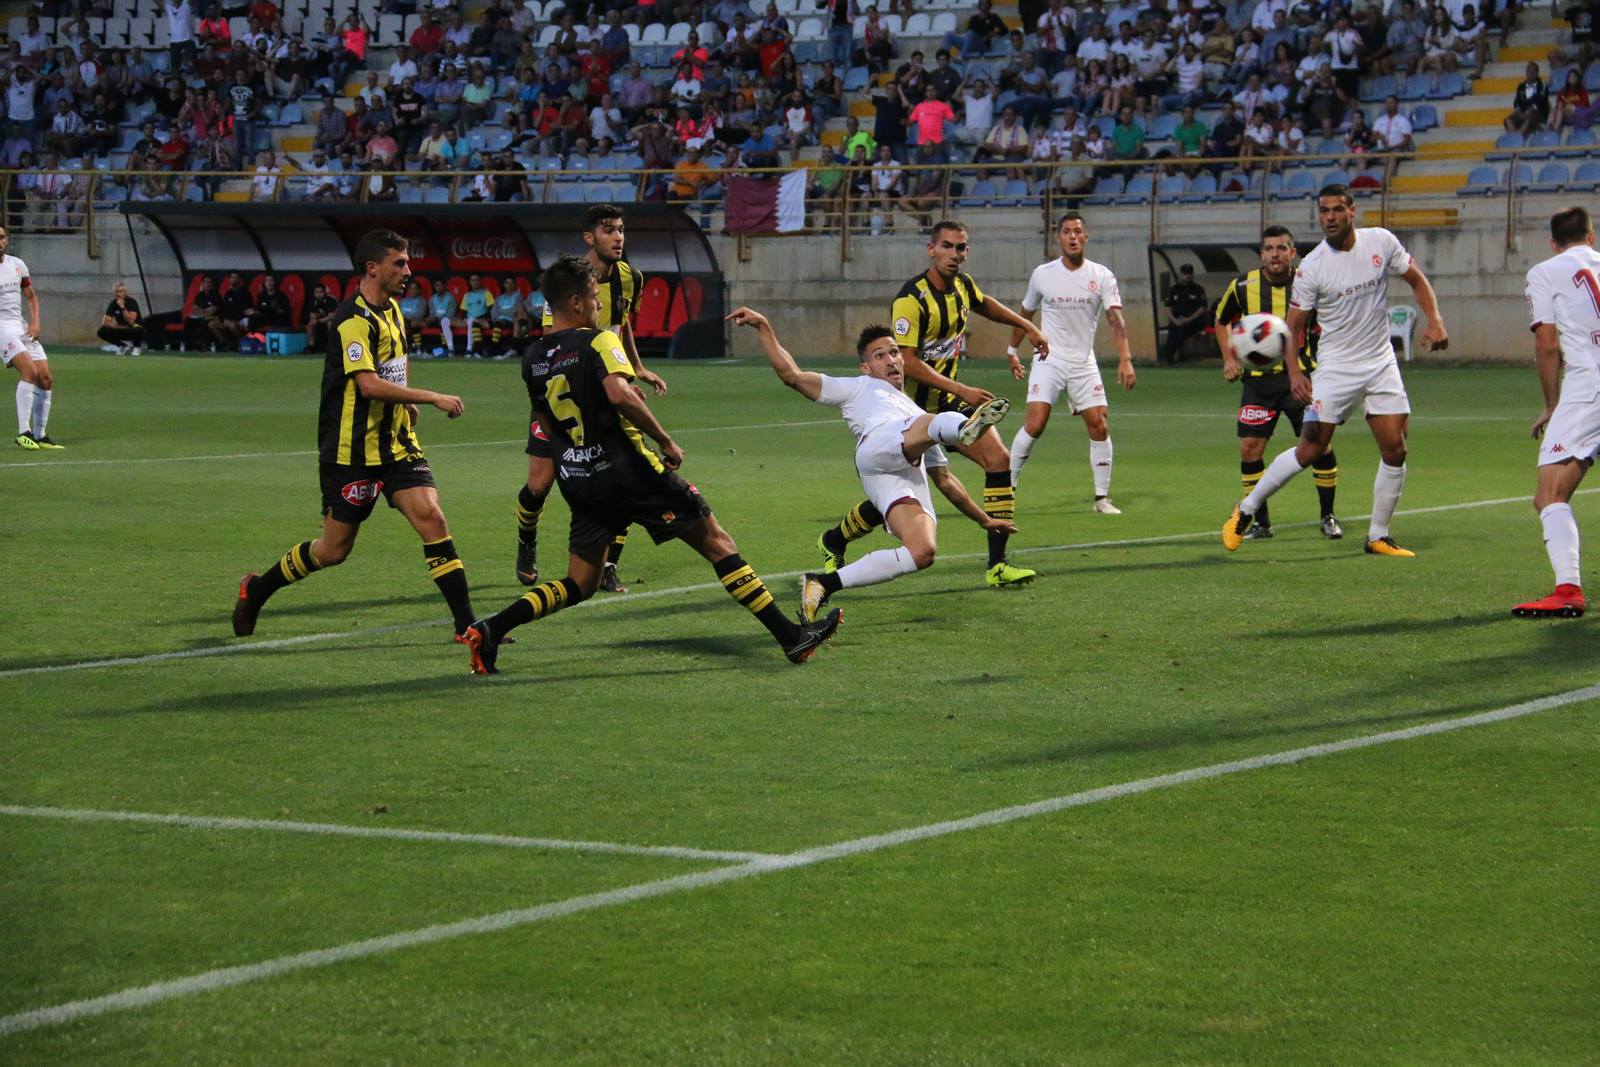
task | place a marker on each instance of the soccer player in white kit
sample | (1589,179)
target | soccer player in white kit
(1073,291)
(892,434)
(20,350)
(1345,280)
(1564,313)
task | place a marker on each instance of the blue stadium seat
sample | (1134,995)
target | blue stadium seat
(569,193)
(1579,143)
(410,194)
(1378,88)
(1552,176)
(1542,144)
(1504,144)
(1450,84)
(1586,177)
(1424,117)
(1333,177)
(1106,124)
(437,194)
(1106,190)
(1412,88)
(1521,174)
(1014,192)
(856,79)
(1591,78)
(1201,189)
(1162,125)
(1140,188)
(1299,185)
(980,194)
(1271,186)
(1481,180)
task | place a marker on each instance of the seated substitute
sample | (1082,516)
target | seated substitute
(122,324)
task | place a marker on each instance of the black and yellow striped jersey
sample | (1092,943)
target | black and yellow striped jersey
(351,429)
(619,298)
(1253,293)
(565,372)
(934,323)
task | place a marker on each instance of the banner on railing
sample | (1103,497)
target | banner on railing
(760,205)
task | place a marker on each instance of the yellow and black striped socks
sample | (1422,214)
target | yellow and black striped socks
(450,575)
(857,523)
(1250,472)
(536,603)
(999,502)
(1325,472)
(530,506)
(296,564)
(746,586)
(617,546)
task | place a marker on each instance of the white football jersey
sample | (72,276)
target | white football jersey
(867,403)
(1349,291)
(1564,291)
(1072,302)
(13,279)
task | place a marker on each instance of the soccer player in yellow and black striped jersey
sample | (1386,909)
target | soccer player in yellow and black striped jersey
(1266,392)
(929,317)
(620,285)
(366,440)
(580,386)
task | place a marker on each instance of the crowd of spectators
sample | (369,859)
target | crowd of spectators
(1091,81)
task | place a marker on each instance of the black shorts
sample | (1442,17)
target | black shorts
(631,492)
(349,493)
(538,444)
(1263,399)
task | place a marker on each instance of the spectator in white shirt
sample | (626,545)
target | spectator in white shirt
(180,33)
(606,127)
(1315,59)
(21,96)
(1262,18)
(886,179)
(1252,97)
(977,110)
(34,41)
(403,67)
(1053,31)
(66,129)
(1094,46)
(264,186)
(1260,139)
(1394,128)
(1345,48)
(1188,72)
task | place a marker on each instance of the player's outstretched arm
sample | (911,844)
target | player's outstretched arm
(807,383)
(957,494)
(1547,354)
(1017,373)
(1435,336)
(627,398)
(375,388)
(1119,336)
(1299,382)
(995,311)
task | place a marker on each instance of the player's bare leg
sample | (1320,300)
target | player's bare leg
(1000,503)
(303,560)
(1552,501)
(1315,441)
(917,533)
(530,505)
(1390,433)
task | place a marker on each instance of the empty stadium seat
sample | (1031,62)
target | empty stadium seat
(1202,188)
(1586,177)
(1504,144)
(1140,188)
(1424,117)
(918,25)
(1106,190)
(1552,176)
(1579,143)
(1480,181)
(1542,143)
(1449,84)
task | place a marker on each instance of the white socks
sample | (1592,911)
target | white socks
(880,566)
(945,427)
(1561,542)
(41,411)
(1278,474)
(1100,464)
(1386,489)
(1021,446)
(447,337)
(24,406)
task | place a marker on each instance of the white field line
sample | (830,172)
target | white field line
(1224,415)
(205,822)
(312,452)
(227,977)
(679,590)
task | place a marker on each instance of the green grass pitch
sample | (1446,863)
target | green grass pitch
(1429,901)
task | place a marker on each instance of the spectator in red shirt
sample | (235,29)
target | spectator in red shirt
(692,54)
(266,11)
(426,38)
(173,154)
(213,29)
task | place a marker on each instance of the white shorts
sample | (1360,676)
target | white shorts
(14,342)
(1573,432)
(886,476)
(1336,390)
(1079,379)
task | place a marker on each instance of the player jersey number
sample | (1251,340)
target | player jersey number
(559,396)
(1586,280)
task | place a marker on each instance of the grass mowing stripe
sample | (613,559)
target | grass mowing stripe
(331,635)
(312,451)
(227,977)
(208,822)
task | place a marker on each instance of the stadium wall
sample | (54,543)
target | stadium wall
(818,303)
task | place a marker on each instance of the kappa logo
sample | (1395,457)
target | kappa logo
(1254,415)
(362,492)
(1557,450)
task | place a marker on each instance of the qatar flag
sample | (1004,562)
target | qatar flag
(761,205)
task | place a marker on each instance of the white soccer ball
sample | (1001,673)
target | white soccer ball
(1260,340)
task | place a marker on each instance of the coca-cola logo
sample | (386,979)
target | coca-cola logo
(482,248)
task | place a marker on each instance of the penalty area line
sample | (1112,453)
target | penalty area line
(229,977)
(208,822)
(679,590)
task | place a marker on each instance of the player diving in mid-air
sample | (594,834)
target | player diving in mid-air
(893,435)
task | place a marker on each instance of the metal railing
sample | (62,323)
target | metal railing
(839,199)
